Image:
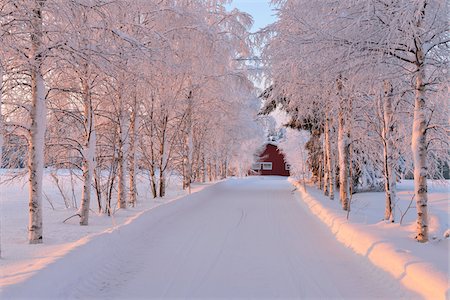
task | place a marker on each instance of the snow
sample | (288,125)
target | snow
(423,268)
(246,238)
(20,261)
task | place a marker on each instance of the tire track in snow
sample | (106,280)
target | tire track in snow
(215,261)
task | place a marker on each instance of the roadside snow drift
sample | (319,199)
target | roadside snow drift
(423,268)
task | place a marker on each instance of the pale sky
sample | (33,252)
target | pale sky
(263,15)
(260,10)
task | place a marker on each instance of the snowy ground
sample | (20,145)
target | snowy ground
(21,260)
(421,267)
(247,238)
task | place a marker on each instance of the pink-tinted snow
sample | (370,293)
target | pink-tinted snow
(423,268)
(242,238)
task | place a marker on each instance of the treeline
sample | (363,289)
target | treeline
(368,79)
(114,88)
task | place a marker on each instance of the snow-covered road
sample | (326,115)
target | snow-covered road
(246,238)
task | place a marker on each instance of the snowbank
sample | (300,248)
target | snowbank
(422,268)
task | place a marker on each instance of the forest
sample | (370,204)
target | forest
(109,89)
(368,81)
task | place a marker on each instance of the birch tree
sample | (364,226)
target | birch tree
(414,35)
(37,127)
(401,40)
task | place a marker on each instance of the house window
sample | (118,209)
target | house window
(256,166)
(267,166)
(287,167)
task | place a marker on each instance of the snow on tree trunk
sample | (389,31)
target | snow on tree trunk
(132,159)
(388,151)
(37,129)
(419,150)
(329,181)
(88,164)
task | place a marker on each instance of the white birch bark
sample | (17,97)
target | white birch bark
(388,149)
(344,189)
(132,151)
(121,145)
(204,169)
(1,135)
(152,162)
(325,164)
(329,181)
(163,159)
(419,150)
(2,132)
(187,161)
(419,138)
(37,129)
(89,143)
(121,163)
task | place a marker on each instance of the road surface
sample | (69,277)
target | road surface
(241,238)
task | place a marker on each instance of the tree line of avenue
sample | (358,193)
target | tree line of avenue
(117,88)
(368,79)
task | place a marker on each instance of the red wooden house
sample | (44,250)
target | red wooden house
(271,161)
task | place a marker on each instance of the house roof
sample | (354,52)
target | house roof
(261,149)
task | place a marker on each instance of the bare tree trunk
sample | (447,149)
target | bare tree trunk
(98,189)
(329,160)
(204,168)
(2,128)
(320,173)
(162,180)
(388,152)
(325,163)
(72,189)
(187,160)
(1,134)
(37,129)
(419,137)
(224,169)
(163,156)
(162,166)
(121,155)
(216,169)
(343,149)
(110,185)
(210,173)
(152,160)
(343,164)
(419,150)
(88,151)
(153,182)
(132,159)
